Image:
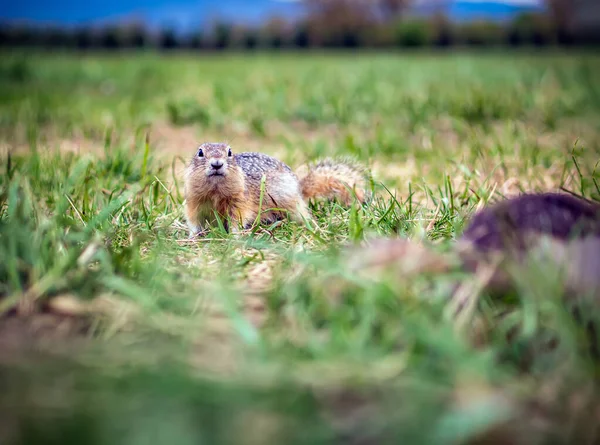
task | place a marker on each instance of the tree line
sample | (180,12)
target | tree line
(326,24)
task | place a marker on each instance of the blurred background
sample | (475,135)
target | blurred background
(303,24)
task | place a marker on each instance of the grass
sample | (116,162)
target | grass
(268,337)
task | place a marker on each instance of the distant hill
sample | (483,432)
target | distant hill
(186,14)
(470,10)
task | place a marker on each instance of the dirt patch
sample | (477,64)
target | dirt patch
(24,336)
(76,145)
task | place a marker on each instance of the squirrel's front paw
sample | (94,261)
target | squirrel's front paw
(198,234)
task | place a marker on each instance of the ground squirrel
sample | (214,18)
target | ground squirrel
(219,181)
(558,228)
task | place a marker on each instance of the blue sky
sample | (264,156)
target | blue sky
(186,13)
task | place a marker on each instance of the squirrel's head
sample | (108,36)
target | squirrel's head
(214,159)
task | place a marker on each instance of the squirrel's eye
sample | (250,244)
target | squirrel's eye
(229,153)
(200,153)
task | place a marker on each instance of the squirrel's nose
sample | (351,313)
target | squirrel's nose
(216,164)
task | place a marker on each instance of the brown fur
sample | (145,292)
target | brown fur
(234,190)
(204,197)
(332,179)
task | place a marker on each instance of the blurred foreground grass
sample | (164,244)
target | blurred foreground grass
(268,338)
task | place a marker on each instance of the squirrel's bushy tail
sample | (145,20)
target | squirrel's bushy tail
(331,179)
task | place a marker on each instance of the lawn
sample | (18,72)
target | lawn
(115,328)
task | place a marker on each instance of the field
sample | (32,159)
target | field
(116,328)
